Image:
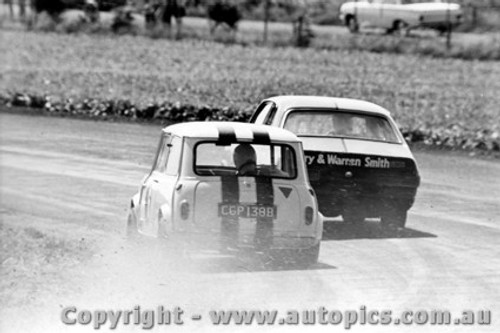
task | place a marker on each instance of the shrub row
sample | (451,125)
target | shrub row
(453,136)
(172,112)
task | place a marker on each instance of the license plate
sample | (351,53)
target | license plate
(247,211)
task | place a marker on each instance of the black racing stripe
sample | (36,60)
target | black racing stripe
(230,225)
(261,136)
(226,135)
(230,189)
(265,191)
(265,225)
(265,196)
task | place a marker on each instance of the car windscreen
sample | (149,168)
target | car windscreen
(245,159)
(340,124)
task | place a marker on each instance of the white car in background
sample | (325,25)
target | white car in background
(400,15)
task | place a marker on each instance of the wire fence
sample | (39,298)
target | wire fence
(478,14)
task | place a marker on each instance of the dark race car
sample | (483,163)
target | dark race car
(358,162)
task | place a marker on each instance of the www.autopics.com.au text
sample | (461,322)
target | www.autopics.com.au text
(147,319)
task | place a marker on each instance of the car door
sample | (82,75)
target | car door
(162,185)
(369,12)
(379,7)
(264,115)
(391,10)
(143,217)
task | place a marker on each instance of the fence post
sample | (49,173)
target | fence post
(474,15)
(448,20)
(266,19)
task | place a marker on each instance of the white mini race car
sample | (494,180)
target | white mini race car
(232,186)
(358,161)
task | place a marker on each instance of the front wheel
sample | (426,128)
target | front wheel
(395,217)
(310,256)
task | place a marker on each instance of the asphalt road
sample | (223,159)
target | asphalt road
(73,178)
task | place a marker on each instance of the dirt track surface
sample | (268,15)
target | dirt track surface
(74,178)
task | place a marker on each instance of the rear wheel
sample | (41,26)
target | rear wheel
(395,217)
(305,258)
(162,228)
(310,256)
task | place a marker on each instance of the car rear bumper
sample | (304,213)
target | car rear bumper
(244,242)
(333,202)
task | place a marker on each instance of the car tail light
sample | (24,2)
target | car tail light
(184,210)
(309,215)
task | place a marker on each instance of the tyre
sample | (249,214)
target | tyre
(310,256)
(163,230)
(131,227)
(352,24)
(353,217)
(330,211)
(395,217)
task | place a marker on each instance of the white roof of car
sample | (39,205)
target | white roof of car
(242,131)
(288,102)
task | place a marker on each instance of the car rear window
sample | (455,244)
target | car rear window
(275,161)
(340,124)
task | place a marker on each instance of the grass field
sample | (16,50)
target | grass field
(473,46)
(453,96)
